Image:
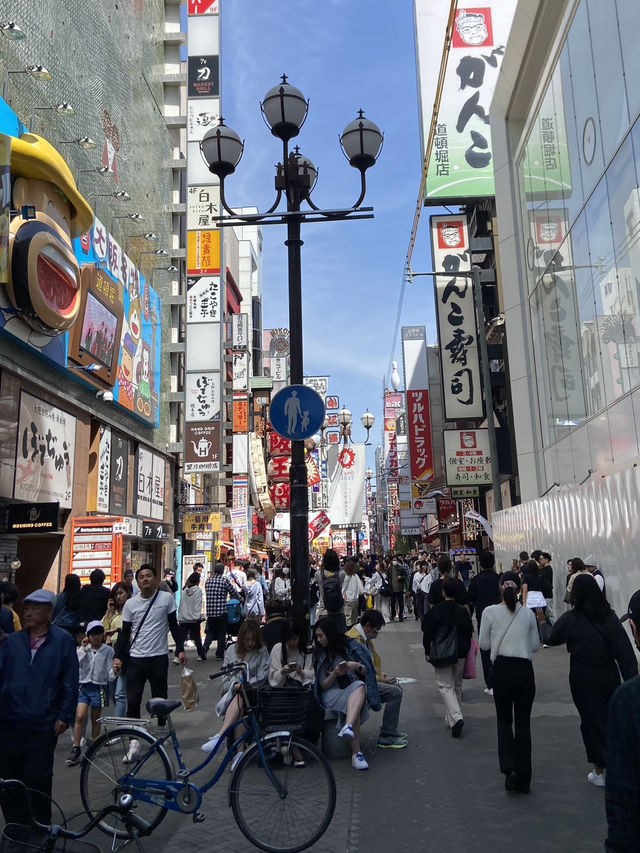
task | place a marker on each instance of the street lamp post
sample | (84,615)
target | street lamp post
(285,109)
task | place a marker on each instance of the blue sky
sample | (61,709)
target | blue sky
(343,55)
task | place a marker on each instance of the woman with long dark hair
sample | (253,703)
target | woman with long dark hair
(509,631)
(66,610)
(337,685)
(120,593)
(598,646)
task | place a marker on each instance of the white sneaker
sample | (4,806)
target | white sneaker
(134,745)
(359,762)
(346,732)
(212,743)
(597,779)
(488,691)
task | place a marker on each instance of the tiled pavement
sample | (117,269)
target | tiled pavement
(438,794)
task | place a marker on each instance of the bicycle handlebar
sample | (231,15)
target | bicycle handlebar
(122,808)
(232,667)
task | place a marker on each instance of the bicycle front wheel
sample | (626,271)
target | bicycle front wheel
(294,816)
(108,767)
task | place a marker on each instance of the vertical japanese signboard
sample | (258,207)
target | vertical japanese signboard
(119,474)
(455,309)
(45,453)
(461,163)
(467,457)
(150,476)
(205,267)
(414,356)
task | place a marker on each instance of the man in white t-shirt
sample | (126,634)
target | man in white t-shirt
(146,620)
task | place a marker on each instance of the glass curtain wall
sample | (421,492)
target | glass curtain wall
(579,177)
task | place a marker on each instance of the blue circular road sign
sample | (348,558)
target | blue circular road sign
(297,412)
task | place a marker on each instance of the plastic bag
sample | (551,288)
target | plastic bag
(189,690)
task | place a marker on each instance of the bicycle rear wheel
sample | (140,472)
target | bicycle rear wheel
(109,765)
(291,820)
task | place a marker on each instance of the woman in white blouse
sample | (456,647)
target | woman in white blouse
(510,632)
(289,662)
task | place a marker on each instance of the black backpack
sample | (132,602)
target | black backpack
(332,593)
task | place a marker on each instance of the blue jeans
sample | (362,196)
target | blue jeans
(120,696)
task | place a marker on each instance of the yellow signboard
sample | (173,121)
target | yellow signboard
(201,524)
(203,252)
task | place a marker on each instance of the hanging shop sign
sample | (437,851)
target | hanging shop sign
(455,310)
(119,475)
(467,457)
(203,77)
(202,447)
(150,475)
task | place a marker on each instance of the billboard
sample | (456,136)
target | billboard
(461,162)
(467,457)
(416,379)
(456,315)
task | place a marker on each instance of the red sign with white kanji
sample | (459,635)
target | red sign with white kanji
(203,7)
(419,429)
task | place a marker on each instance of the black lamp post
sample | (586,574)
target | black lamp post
(285,109)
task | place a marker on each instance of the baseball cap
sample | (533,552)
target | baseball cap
(590,560)
(633,610)
(41,596)
(96,625)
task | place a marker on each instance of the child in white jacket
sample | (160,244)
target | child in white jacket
(95,661)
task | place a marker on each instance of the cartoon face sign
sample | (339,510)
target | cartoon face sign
(44,278)
(451,235)
(472,28)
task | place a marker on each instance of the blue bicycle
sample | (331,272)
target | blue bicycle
(282,790)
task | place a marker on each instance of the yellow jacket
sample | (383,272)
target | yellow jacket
(354,634)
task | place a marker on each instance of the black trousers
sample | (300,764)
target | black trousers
(514,689)
(216,630)
(27,756)
(155,670)
(591,690)
(191,631)
(397,600)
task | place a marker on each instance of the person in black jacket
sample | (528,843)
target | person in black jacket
(598,645)
(437,625)
(94,598)
(436,595)
(622,795)
(484,590)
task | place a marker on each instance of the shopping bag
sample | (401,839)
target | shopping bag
(470,662)
(189,690)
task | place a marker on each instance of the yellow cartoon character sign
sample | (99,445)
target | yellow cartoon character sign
(42,296)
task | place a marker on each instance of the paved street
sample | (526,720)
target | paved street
(438,794)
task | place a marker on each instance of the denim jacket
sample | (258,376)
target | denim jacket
(360,653)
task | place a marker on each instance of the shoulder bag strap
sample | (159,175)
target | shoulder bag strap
(142,621)
(508,626)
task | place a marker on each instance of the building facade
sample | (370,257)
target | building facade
(566,141)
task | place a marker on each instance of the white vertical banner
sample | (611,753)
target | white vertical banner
(346,466)
(104,470)
(455,309)
(240,331)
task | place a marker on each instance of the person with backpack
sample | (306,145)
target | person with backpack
(446,636)
(330,579)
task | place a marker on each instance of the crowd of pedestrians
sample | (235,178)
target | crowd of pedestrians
(73,654)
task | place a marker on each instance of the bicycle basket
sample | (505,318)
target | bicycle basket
(18,838)
(284,707)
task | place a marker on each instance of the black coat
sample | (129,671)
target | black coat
(448,613)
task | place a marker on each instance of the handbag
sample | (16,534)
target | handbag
(125,659)
(444,648)
(470,662)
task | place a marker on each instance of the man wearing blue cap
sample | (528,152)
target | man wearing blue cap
(622,783)
(38,696)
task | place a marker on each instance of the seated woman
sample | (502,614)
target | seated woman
(292,665)
(249,648)
(337,686)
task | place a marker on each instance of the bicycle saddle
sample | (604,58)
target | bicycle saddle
(161,707)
